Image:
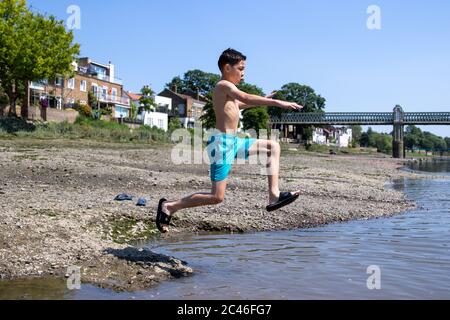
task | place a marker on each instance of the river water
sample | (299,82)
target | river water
(406,256)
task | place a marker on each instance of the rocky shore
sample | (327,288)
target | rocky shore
(57,208)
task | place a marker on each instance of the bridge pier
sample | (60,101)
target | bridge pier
(397,143)
(398,134)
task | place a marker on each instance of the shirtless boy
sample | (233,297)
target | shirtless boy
(225,145)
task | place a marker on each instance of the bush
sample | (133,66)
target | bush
(84,110)
(13,124)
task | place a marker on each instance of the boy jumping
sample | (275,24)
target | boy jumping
(225,146)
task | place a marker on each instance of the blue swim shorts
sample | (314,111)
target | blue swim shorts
(222,149)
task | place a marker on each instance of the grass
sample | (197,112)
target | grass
(83,128)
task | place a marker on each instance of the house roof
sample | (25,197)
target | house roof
(185,96)
(134,96)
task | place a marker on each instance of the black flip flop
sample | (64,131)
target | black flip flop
(284,199)
(162,217)
(123,197)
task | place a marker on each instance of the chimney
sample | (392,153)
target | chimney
(198,94)
(175,88)
(111,72)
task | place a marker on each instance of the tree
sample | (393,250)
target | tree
(411,141)
(356,134)
(3,100)
(208,118)
(257,117)
(447,141)
(33,47)
(133,110)
(383,142)
(303,95)
(426,144)
(146,100)
(194,81)
(174,123)
(92,100)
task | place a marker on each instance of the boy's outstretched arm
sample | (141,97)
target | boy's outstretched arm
(242,105)
(254,100)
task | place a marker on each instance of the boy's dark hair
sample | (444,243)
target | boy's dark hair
(230,56)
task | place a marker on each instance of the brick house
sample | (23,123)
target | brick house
(91,76)
(187,107)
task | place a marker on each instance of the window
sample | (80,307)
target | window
(181,109)
(95,89)
(160,123)
(71,83)
(114,93)
(59,81)
(83,85)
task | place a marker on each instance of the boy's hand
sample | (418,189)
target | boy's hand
(289,105)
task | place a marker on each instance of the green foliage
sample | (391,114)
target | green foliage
(83,109)
(314,147)
(92,100)
(208,118)
(13,125)
(255,118)
(303,95)
(33,47)
(415,139)
(133,110)
(383,143)
(174,123)
(147,100)
(372,139)
(194,80)
(356,134)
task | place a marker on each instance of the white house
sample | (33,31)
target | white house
(158,117)
(343,137)
(319,136)
(340,137)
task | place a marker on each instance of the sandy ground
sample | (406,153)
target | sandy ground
(57,208)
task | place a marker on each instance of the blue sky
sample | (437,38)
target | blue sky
(323,44)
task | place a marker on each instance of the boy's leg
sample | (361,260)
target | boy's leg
(216,196)
(273,151)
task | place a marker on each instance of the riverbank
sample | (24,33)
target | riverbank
(57,207)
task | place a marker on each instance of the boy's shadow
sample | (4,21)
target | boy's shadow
(148,259)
